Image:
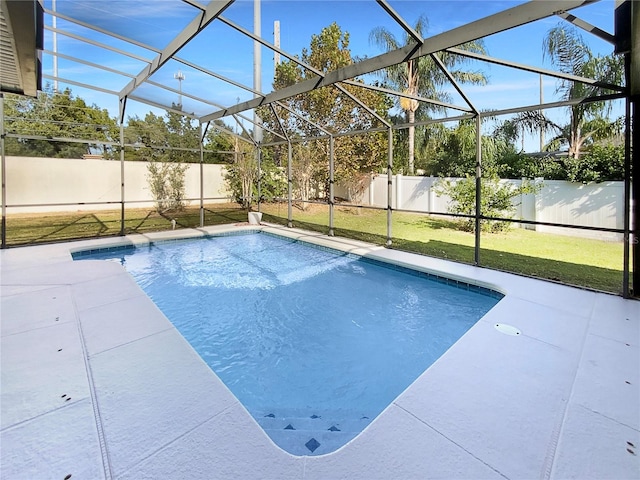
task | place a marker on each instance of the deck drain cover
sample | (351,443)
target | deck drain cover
(507,329)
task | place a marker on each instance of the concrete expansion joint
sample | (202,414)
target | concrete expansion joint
(106,461)
(425,423)
(159,332)
(635,428)
(174,440)
(625,343)
(114,301)
(552,448)
(65,405)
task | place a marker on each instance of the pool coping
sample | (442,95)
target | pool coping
(461,418)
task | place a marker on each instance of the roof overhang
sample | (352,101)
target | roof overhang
(21,39)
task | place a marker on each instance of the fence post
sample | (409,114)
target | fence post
(432,194)
(372,184)
(527,206)
(538,182)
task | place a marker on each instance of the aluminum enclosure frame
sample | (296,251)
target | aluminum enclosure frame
(206,14)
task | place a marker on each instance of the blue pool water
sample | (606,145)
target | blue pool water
(314,343)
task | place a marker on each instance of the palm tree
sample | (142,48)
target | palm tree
(422,76)
(567,50)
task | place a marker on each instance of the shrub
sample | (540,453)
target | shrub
(273,184)
(240,177)
(167,184)
(242,180)
(497,201)
(599,164)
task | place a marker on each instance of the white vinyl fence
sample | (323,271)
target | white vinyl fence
(594,205)
(33,180)
(54,180)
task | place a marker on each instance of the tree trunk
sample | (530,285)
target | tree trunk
(575,143)
(411,117)
(574,133)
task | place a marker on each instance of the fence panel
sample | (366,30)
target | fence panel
(45,181)
(594,205)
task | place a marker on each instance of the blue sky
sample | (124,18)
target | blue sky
(222,49)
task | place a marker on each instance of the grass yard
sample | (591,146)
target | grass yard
(589,263)
(23,229)
(576,261)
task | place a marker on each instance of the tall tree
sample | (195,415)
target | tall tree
(183,134)
(422,76)
(219,146)
(568,51)
(57,115)
(334,111)
(150,137)
(455,152)
(162,138)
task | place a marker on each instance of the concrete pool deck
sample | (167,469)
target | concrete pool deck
(97,383)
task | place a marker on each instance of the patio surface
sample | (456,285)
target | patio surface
(97,383)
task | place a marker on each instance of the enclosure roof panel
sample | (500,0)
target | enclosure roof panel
(201,56)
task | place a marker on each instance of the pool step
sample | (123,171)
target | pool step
(311,434)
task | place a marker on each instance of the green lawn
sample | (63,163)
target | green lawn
(583,262)
(53,227)
(589,263)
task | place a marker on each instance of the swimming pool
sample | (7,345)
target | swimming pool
(315,343)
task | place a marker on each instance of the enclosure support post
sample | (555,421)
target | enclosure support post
(289,185)
(331,200)
(476,257)
(121,121)
(201,177)
(627,185)
(389,183)
(4,174)
(635,200)
(259,155)
(634,177)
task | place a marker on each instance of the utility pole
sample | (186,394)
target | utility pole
(276,42)
(180,77)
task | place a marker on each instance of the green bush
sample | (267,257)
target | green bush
(166,181)
(242,180)
(600,163)
(497,201)
(273,184)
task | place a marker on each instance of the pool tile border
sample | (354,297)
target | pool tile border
(461,284)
